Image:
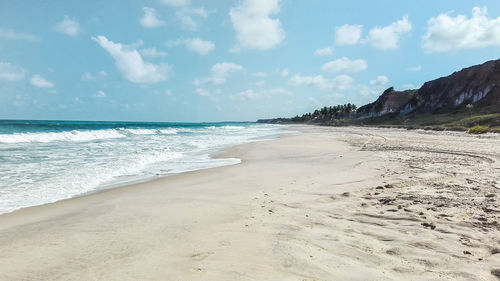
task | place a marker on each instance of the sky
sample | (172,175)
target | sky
(196,61)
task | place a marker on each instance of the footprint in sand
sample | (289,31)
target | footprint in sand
(496,273)
(197,269)
(393,252)
(201,256)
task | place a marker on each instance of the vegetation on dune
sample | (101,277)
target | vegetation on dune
(459,119)
(478,130)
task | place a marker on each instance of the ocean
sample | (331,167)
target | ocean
(47,161)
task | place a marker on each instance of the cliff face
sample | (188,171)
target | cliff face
(390,102)
(478,85)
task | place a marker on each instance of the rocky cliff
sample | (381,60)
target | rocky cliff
(390,101)
(477,85)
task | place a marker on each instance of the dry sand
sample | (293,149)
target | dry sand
(325,204)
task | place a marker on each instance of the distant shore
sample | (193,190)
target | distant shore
(328,203)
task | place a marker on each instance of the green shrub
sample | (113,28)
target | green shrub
(478,130)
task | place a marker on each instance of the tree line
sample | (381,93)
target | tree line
(327,113)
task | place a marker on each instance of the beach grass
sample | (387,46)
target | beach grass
(455,120)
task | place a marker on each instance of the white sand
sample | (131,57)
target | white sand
(303,207)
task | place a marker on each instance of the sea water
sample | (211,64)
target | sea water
(47,161)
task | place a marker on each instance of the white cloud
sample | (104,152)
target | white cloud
(345,64)
(318,81)
(255,29)
(197,45)
(340,82)
(381,81)
(152,52)
(285,72)
(130,63)
(10,34)
(347,34)
(176,3)
(134,45)
(203,92)
(150,19)
(388,37)
(375,87)
(200,11)
(219,73)
(244,95)
(68,26)
(186,20)
(446,33)
(324,52)
(202,47)
(38,81)
(100,95)
(415,68)
(186,15)
(10,72)
(87,76)
(252,95)
(260,74)
(260,83)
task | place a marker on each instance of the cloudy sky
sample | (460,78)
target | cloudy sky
(182,60)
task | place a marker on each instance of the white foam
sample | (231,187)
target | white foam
(227,127)
(233,127)
(74,135)
(142,131)
(168,131)
(80,161)
(80,135)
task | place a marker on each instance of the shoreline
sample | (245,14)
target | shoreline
(328,203)
(119,184)
(223,153)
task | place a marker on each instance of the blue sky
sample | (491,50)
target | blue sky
(181,60)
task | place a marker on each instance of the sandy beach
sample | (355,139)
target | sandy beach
(320,204)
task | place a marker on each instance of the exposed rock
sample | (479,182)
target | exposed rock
(390,101)
(478,85)
(475,85)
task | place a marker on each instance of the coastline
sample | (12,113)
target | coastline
(222,153)
(301,207)
(151,173)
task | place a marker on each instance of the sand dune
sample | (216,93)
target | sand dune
(322,204)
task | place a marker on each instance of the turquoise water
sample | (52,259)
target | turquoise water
(47,161)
